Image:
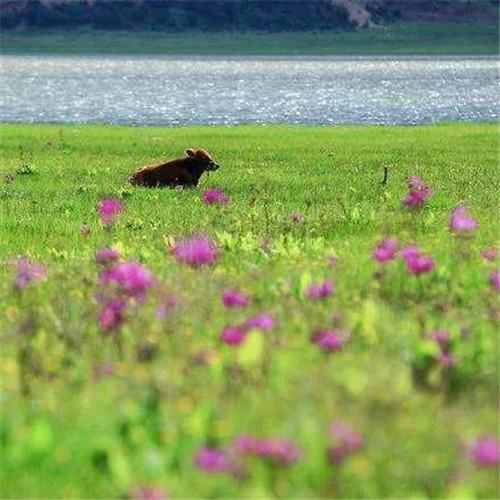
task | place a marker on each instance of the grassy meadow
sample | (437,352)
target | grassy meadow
(93,413)
(403,38)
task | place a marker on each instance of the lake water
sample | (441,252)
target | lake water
(158,90)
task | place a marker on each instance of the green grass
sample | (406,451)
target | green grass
(397,39)
(69,435)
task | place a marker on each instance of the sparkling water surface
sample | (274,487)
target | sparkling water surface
(168,90)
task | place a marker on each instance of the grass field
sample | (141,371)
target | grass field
(397,39)
(89,412)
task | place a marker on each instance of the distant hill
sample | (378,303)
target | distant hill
(241,15)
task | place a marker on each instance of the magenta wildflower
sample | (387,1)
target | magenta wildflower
(213,460)
(386,250)
(234,298)
(410,253)
(85,230)
(461,221)
(109,209)
(442,337)
(112,315)
(106,256)
(262,321)
(196,251)
(320,291)
(447,359)
(416,263)
(147,493)
(486,451)
(347,441)
(282,451)
(329,341)
(132,278)
(29,272)
(245,444)
(490,254)
(495,279)
(215,197)
(418,194)
(232,335)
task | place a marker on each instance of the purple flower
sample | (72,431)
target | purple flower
(440,336)
(486,451)
(262,321)
(329,341)
(447,359)
(418,194)
(106,256)
(212,460)
(232,335)
(112,315)
(386,250)
(282,451)
(215,197)
(147,493)
(109,209)
(410,253)
(320,291)
(461,221)
(196,251)
(234,298)
(245,444)
(29,272)
(132,278)
(420,264)
(348,441)
(495,280)
(489,254)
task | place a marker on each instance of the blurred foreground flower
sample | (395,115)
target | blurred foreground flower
(320,291)
(490,254)
(235,298)
(213,460)
(132,278)
(112,315)
(282,451)
(232,335)
(461,221)
(486,451)
(262,321)
(329,341)
(418,193)
(416,262)
(215,197)
(147,493)
(347,441)
(106,256)
(196,251)
(495,279)
(386,250)
(29,272)
(109,209)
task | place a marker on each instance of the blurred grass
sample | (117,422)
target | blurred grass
(402,38)
(75,437)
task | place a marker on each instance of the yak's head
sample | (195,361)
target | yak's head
(202,156)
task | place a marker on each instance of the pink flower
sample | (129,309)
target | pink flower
(416,263)
(132,278)
(234,298)
(109,209)
(196,251)
(348,441)
(147,493)
(410,253)
(418,194)
(215,197)
(232,335)
(279,450)
(85,230)
(263,321)
(106,256)
(461,221)
(320,291)
(112,315)
(486,451)
(329,341)
(440,336)
(495,280)
(29,272)
(245,444)
(489,254)
(213,460)
(386,250)
(447,359)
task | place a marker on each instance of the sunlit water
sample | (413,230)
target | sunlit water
(154,90)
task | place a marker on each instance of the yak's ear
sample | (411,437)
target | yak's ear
(190,152)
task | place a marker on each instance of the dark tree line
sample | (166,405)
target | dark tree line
(176,15)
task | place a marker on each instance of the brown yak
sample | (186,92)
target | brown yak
(185,172)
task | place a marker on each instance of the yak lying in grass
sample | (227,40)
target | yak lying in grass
(185,172)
